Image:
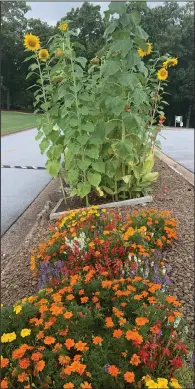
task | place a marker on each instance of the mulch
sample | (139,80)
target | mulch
(170,192)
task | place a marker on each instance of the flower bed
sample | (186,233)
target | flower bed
(103,239)
(93,332)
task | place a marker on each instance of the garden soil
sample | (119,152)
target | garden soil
(170,192)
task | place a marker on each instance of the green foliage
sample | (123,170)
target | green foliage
(100,120)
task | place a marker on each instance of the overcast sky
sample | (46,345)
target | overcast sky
(51,12)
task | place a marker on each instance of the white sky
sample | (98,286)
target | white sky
(51,12)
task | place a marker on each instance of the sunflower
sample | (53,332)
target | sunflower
(143,53)
(162,74)
(63,27)
(43,54)
(31,42)
(170,62)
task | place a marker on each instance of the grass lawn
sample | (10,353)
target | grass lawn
(17,121)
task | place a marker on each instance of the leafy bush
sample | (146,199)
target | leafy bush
(106,241)
(101,119)
(93,332)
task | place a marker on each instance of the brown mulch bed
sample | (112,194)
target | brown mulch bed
(171,192)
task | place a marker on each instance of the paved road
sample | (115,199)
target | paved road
(179,145)
(20,187)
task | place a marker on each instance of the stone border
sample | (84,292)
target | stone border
(185,173)
(141,200)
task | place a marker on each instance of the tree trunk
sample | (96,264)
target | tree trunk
(8,99)
(189,116)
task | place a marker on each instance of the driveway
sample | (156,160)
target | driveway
(179,145)
(20,187)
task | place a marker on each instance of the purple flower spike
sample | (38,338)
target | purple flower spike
(106,368)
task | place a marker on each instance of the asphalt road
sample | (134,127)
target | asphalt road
(20,187)
(179,145)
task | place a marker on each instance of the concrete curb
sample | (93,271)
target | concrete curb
(182,171)
(141,200)
(15,132)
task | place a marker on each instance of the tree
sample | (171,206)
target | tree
(13,27)
(171,29)
(14,70)
(87,20)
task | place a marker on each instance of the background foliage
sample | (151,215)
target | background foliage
(169,26)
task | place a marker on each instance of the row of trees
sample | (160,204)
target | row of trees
(170,28)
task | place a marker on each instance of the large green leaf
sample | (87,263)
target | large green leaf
(92,152)
(135,17)
(53,168)
(99,166)
(78,71)
(84,189)
(117,7)
(141,33)
(82,61)
(89,127)
(110,29)
(94,178)
(141,43)
(110,67)
(128,79)
(150,177)
(83,165)
(132,59)
(82,139)
(84,111)
(45,106)
(108,190)
(44,145)
(124,46)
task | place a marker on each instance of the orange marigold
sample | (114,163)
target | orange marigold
(109,322)
(49,340)
(4,362)
(69,343)
(22,377)
(4,384)
(69,297)
(40,365)
(80,346)
(129,377)
(141,321)
(86,385)
(117,333)
(135,360)
(134,335)
(113,370)
(36,356)
(69,385)
(97,340)
(68,315)
(24,363)
(84,300)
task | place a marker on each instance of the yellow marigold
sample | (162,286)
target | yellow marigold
(17,309)
(25,332)
(9,337)
(143,53)
(162,383)
(31,42)
(175,384)
(170,62)
(63,27)
(43,54)
(162,74)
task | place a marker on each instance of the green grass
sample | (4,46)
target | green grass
(17,121)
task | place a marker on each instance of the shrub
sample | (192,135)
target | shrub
(93,332)
(103,239)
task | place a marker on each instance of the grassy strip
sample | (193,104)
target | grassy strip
(17,121)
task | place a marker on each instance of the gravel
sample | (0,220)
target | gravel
(170,192)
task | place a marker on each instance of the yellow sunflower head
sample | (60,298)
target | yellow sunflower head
(43,54)
(143,53)
(162,74)
(170,62)
(63,26)
(31,42)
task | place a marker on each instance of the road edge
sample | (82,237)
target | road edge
(15,132)
(187,174)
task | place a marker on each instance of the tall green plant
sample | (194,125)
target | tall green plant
(99,125)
